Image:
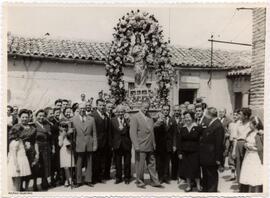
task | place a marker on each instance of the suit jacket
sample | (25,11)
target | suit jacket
(120,136)
(103,130)
(85,134)
(165,136)
(211,144)
(142,133)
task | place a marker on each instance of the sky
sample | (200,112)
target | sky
(187,26)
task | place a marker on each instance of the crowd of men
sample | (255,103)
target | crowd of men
(78,144)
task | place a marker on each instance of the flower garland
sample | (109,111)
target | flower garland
(157,58)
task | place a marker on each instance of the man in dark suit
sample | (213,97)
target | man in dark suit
(86,143)
(175,171)
(143,140)
(55,158)
(211,151)
(165,137)
(104,142)
(225,121)
(121,144)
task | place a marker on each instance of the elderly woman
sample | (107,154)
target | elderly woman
(28,136)
(121,144)
(188,147)
(43,139)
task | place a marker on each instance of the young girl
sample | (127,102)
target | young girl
(252,168)
(18,164)
(66,154)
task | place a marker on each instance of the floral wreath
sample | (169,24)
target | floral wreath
(157,58)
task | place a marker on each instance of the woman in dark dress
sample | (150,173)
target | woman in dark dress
(43,139)
(187,146)
(28,135)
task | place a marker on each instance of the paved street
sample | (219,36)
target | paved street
(224,186)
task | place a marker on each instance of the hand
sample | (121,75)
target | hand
(37,157)
(53,149)
(174,149)
(218,163)
(180,156)
(137,149)
(27,145)
(94,148)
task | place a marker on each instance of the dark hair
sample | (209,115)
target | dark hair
(199,100)
(47,109)
(236,111)
(256,121)
(22,111)
(58,100)
(198,106)
(191,113)
(56,109)
(246,112)
(166,105)
(212,111)
(64,111)
(40,111)
(11,108)
(204,105)
(75,106)
(99,100)
(64,100)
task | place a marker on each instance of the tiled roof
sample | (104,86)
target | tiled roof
(240,72)
(85,50)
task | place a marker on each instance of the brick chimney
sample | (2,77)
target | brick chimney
(258,61)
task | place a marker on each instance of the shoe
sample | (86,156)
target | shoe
(127,181)
(188,189)
(117,181)
(156,185)
(77,185)
(166,181)
(141,185)
(90,184)
(35,188)
(66,184)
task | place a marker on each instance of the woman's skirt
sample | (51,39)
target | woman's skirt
(190,165)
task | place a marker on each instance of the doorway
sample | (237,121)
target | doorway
(238,98)
(187,95)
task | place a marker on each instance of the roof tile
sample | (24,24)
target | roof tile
(184,57)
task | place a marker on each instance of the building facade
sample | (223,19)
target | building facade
(41,70)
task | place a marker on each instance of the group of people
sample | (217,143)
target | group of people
(78,144)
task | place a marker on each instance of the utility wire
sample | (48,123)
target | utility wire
(228,23)
(240,32)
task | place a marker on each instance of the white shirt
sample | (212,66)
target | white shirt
(233,126)
(101,115)
(242,130)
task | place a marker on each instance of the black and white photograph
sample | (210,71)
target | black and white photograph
(161,98)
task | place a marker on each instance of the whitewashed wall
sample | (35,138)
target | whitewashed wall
(35,84)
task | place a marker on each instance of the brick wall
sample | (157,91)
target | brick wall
(258,61)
